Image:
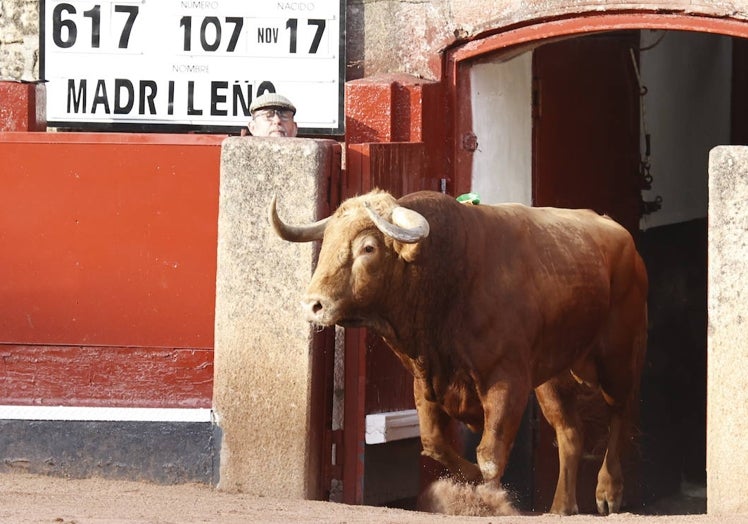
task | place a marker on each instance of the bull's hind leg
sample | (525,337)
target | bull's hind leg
(619,361)
(609,491)
(557,400)
(619,374)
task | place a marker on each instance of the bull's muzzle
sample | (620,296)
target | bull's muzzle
(315,310)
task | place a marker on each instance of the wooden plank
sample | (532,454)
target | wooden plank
(106,376)
(392,426)
(355,416)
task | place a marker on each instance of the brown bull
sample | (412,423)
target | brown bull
(484,303)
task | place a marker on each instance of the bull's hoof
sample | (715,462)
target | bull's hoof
(608,500)
(565,509)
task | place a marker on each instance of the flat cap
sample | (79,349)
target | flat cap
(271,100)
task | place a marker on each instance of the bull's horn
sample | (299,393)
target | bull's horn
(305,233)
(407,226)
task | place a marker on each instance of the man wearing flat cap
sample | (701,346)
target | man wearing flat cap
(272,115)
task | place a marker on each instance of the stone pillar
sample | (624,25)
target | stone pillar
(727,364)
(262,344)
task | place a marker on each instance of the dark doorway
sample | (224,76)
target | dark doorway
(586,153)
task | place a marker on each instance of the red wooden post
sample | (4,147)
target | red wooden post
(399,108)
(22,106)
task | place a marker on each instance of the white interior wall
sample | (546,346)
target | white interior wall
(688,76)
(687,111)
(502,121)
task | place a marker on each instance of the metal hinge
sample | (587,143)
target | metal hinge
(535,98)
(335,467)
(469,141)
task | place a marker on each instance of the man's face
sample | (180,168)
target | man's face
(273,122)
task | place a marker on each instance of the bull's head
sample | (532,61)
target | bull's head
(363,242)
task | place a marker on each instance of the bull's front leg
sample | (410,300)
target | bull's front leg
(433,423)
(503,405)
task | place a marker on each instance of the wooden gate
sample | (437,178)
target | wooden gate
(375,380)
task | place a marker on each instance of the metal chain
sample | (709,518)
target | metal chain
(645,176)
(644,166)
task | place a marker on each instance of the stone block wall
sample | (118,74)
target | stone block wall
(19,40)
(390,36)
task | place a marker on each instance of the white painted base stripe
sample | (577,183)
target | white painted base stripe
(73,413)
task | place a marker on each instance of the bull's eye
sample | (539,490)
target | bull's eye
(366,246)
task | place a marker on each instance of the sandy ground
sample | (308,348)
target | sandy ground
(28,498)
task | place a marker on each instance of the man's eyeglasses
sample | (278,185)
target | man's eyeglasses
(285,115)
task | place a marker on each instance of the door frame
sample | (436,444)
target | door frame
(511,42)
(508,43)
(446,132)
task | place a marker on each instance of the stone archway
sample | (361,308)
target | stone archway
(437,113)
(515,40)
(508,43)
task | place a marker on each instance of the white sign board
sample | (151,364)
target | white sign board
(190,64)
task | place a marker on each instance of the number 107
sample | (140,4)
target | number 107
(211,33)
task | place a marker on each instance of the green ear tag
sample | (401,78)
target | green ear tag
(469,198)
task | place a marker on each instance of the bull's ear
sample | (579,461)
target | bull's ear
(408,252)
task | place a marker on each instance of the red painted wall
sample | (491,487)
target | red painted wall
(107,268)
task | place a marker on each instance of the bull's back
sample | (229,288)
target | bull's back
(555,275)
(553,251)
